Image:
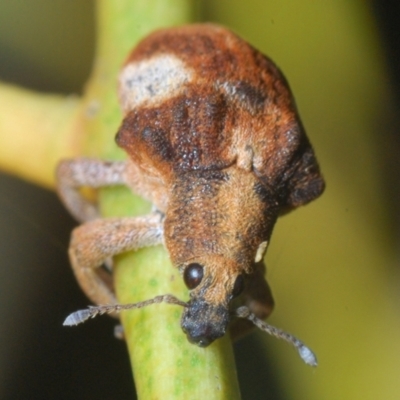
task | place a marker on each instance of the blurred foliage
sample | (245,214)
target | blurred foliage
(333,265)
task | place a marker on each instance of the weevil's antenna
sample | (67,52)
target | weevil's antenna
(80,316)
(304,352)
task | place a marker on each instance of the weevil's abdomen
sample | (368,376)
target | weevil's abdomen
(169,61)
(200,98)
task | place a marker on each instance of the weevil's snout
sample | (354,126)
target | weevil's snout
(203,322)
(206,316)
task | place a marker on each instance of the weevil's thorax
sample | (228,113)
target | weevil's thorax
(227,213)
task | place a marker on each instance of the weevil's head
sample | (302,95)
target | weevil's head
(216,228)
(212,288)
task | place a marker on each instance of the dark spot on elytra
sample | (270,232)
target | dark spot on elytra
(213,175)
(213,114)
(158,140)
(198,123)
(262,192)
(251,97)
(180,112)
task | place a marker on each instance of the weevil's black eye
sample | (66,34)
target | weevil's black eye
(238,286)
(193,275)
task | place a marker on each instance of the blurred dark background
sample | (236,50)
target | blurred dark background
(387,17)
(38,357)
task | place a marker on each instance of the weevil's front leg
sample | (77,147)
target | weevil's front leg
(258,298)
(95,241)
(79,172)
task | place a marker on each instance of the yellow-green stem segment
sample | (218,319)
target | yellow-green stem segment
(36,130)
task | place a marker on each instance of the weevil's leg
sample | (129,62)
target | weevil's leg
(258,298)
(95,241)
(76,173)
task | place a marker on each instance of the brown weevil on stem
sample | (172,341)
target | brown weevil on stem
(215,142)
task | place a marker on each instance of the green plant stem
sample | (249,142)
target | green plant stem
(36,130)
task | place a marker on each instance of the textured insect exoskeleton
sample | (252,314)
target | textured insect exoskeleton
(215,142)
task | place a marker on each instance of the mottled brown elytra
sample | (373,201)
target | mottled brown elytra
(215,142)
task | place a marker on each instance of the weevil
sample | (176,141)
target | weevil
(215,143)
